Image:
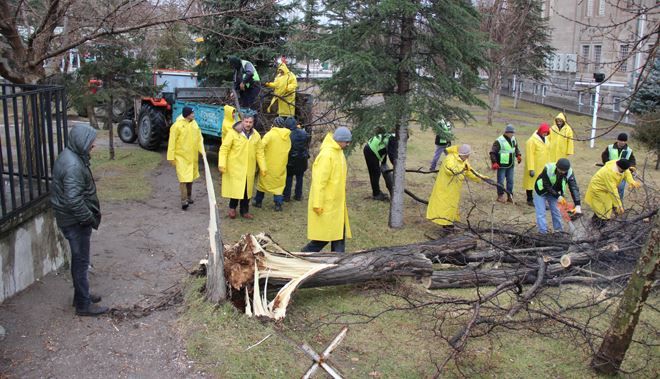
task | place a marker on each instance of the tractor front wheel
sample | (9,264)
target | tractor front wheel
(126,131)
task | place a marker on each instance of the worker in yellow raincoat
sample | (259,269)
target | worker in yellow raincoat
(284,91)
(230,118)
(276,145)
(561,139)
(327,214)
(443,208)
(536,156)
(240,152)
(603,194)
(183,149)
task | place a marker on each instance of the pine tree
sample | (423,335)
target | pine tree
(400,61)
(259,35)
(646,106)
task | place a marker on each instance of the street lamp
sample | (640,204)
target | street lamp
(598,78)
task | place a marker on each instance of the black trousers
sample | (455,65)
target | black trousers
(373,165)
(244,202)
(249,98)
(79,241)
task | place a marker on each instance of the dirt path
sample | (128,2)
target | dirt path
(137,254)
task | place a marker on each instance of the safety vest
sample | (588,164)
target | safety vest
(615,155)
(255,76)
(507,150)
(550,170)
(446,127)
(378,143)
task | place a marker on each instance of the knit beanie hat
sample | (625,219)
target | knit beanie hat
(186,111)
(563,164)
(509,129)
(278,121)
(290,123)
(465,149)
(622,137)
(544,128)
(342,134)
(623,164)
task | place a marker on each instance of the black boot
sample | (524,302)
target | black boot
(92,297)
(92,310)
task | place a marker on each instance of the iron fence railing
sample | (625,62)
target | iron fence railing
(33,130)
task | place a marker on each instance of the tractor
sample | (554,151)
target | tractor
(152,117)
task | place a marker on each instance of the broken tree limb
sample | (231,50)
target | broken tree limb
(216,289)
(540,275)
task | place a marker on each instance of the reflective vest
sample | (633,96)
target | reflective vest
(441,138)
(550,170)
(378,143)
(507,150)
(615,155)
(255,76)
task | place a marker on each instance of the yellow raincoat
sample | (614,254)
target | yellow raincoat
(284,88)
(536,157)
(561,141)
(228,120)
(602,194)
(444,201)
(239,157)
(184,146)
(276,150)
(328,192)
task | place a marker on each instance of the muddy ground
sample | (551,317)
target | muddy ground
(139,255)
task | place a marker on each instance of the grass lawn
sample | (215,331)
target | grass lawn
(125,177)
(403,344)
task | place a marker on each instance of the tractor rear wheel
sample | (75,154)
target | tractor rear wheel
(151,125)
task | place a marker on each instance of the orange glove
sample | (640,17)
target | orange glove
(495,166)
(318,211)
(519,158)
(561,201)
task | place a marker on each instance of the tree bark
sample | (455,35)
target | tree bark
(494,86)
(613,349)
(108,122)
(403,87)
(216,285)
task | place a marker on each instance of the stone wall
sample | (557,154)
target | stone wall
(30,247)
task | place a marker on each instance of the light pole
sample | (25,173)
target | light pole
(598,79)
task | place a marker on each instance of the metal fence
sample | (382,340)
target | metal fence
(33,127)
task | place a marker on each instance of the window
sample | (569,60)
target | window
(601,8)
(592,101)
(544,91)
(536,89)
(623,57)
(590,8)
(616,104)
(584,58)
(580,98)
(597,56)
(521,87)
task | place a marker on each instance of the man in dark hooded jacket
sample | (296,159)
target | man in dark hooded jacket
(298,156)
(77,211)
(247,82)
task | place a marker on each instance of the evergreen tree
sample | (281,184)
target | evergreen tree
(646,106)
(399,61)
(258,34)
(175,48)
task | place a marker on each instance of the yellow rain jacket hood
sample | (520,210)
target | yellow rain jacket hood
(184,146)
(239,157)
(276,150)
(228,120)
(561,141)
(328,192)
(603,194)
(284,90)
(443,208)
(536,157)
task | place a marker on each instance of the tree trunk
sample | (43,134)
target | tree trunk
(613,349)
(93,122)
(216,285)
(108,122)
(494,86)
(403,87)
(516,94)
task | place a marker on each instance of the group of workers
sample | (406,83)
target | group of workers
(547,179)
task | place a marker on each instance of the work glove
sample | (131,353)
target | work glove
(577,210)
(532,173)
(222,169)
(173,163)
(263,172)
(561,201)
(635,184)
(318,211)
(519,158)
(632,169)
(619,210)
(495,166)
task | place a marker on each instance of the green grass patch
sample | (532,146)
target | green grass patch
(127,176)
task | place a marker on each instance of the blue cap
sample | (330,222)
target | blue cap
(342,134)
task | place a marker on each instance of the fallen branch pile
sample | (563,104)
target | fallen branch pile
(472,258)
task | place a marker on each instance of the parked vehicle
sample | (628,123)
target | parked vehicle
(153,116)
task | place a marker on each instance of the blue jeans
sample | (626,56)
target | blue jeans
(503,173)
(439,149)
(289,183)
(539,206)
(79,241)
(622,189)
(259,197)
